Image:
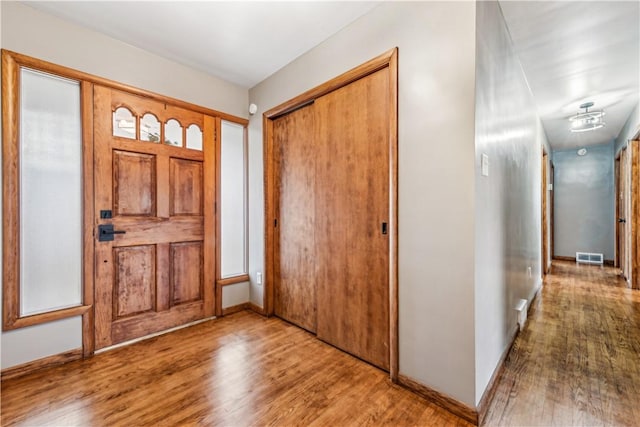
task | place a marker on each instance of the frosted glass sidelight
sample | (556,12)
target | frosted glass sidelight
(149,128)
(173,133)
(50,193)
(233,198)
(194,137)
(124,123)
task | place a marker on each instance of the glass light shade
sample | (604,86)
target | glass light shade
(590,120)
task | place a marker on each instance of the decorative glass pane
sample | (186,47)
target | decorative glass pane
(233,258)
(173,133)
(124,123)
(149,128)
(194,137)
(50,193)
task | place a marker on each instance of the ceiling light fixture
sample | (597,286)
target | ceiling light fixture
(587,120)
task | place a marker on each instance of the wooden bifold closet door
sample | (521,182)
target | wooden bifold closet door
(331,244)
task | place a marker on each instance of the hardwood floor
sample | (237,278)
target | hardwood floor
(240,370)
(577,362)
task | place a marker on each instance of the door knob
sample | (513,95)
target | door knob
(106,232)
(622,220)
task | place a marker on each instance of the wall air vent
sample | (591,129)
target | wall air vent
(589,258)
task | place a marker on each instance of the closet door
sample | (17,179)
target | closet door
(352,217)
(295,263)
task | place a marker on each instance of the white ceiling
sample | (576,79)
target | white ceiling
(243,42)
(573,52)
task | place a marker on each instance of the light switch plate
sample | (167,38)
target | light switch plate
(485,165)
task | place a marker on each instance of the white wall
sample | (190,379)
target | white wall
(46,37)
(436,43)
(584,206)
(508,214)
(34,33)
(235,294)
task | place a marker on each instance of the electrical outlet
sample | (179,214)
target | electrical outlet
(484,162)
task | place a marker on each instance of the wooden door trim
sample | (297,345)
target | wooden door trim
(624,185)
(218,203)
(233,280)
(10,193)
(616,189)
(11,318)
(88,271)
(388,59)
(30,62)
(551,209)
(634,190)
(544,217)
(210,253)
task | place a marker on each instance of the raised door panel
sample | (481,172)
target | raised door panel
(296,259)
(186,272)
(186,186)
(135,280)
(352,204)
(134,184)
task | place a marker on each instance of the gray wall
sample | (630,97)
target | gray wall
(508,219)
(46,37)
(584,202)
(436,43)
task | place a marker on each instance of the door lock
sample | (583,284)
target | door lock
(106,232)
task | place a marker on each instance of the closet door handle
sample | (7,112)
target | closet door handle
(384,228)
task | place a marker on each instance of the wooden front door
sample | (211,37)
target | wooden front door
(154,196)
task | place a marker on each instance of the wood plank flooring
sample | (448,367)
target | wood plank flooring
(577,362)
(240,370)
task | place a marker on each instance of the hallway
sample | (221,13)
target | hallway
(577,362)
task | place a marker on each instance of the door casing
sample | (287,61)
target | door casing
(11,61)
